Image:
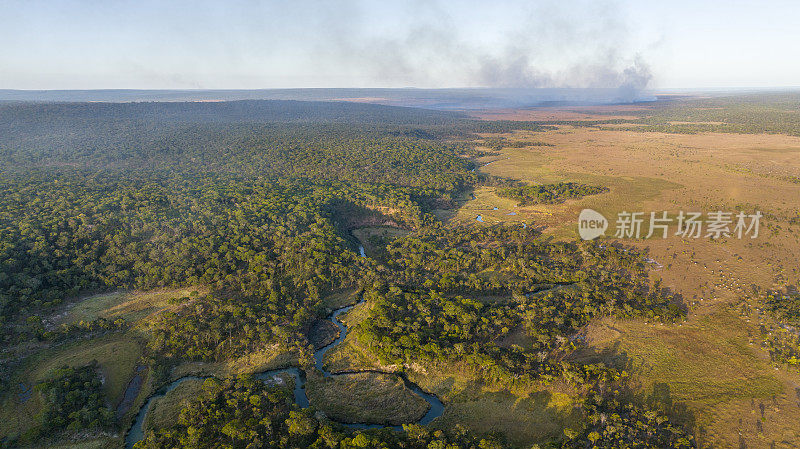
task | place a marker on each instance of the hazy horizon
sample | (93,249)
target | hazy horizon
(78,44)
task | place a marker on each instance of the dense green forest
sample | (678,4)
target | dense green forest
(256,200)
(428,306)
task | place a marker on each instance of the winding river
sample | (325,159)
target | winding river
(136,432)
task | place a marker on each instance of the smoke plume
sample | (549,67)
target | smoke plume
(583,45)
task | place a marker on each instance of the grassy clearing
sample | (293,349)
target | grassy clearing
(630,193)
(340,298)
(117,355)
(131,306)
(268,359)
(523,413)
(713,366)
(483,204)
(679,355)
(365,398)
(537,417)
(164,411)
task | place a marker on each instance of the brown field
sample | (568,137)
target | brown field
(712,363)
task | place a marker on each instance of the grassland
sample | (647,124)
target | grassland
(251,363)
(340,299)
(711,365)
(130,306)
(117,356)
(373,398)
(164,411)
(538,416)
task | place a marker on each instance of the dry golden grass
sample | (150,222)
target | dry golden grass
(563,113)
(708,363)
(538,416)
(340,298)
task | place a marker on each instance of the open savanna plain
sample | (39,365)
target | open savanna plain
(711,367)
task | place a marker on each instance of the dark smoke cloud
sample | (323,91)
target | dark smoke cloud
(321,43)
(582,45)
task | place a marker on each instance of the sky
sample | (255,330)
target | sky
(248,44)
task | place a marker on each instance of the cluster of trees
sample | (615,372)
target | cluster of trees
(407,327)
(80,329)
(549,193)
(246,413)
(784,305)
(221,326)
(783,340)
(64,233)
(517,262)
(783,345)
(498,143)
(74,400)
(428,306)
(616,423)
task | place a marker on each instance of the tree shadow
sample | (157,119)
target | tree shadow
(660,398)
(610,356)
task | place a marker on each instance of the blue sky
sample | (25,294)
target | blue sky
(349,43)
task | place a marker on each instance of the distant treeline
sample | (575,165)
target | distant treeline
(769,113)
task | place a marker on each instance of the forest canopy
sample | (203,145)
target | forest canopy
(256,201)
